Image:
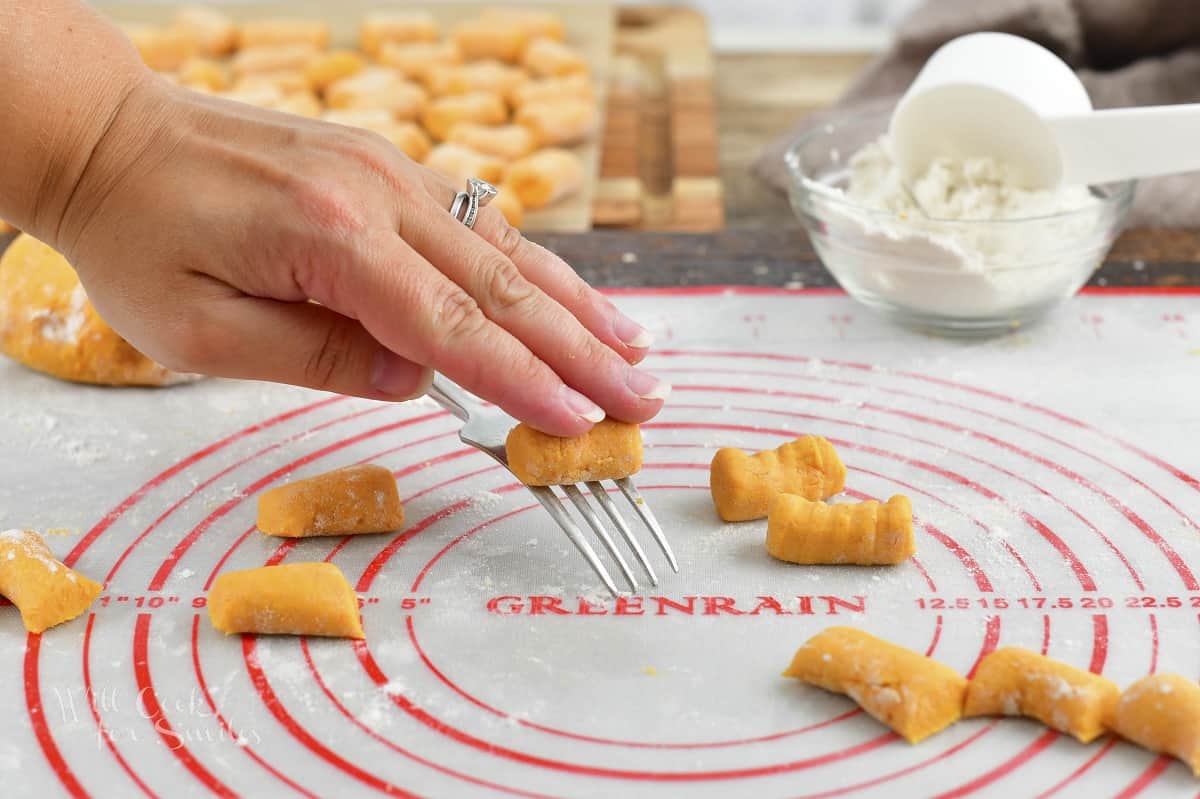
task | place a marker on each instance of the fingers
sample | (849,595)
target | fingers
(299,343)
(549,330)
(564,285)
(417,312)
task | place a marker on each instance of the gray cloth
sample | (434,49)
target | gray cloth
(1126,52)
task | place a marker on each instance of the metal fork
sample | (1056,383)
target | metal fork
(487,429)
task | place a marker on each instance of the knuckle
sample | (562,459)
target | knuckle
(505,286)
(327,205)
(458,316)
(507,238)
(322,365)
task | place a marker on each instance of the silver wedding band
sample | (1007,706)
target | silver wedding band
(466,204)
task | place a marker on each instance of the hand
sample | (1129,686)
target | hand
(234,241)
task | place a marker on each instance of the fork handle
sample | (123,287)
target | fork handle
(450,397)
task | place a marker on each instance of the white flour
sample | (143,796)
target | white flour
(920,251)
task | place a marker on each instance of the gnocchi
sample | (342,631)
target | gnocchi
(743,485)
(863,533)
(545,176)
(609,451)
(914,695)
(292,599)
(1017,682)
(46,591)
(1161,713)
(356,499)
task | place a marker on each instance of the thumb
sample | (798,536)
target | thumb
(303,344)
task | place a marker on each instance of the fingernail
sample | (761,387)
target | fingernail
(648,387)
(394,376)
(582,406)
(630,332)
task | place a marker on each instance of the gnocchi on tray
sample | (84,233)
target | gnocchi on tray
(505,96)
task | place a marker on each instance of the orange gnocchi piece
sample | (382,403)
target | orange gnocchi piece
(611,450)
(564,121)
(416,59)
(743,485)
(214,32)
(863,533)
(489,39)
(458,163)
(396,26)
(326,68)
(283,31)
(1161,713)
(378,87)
(545,177)
(443,113)
(1017,682)
(914,695)
(45,590)
(292,599)
(549,58)
(356,499)
(508,142)
(533,23)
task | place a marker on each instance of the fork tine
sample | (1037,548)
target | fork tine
(639,504)
(610,507)
(559,513)
(581,504)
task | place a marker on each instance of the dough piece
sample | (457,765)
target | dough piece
(458,163)
(545,177)
(327,68)
(532,23)
(443,113)
(482,39)
(276,32)
(564,121)
(162,49)
(507,142)
(862,533)
(214,32)
(609,451)
(478,76)
(549,58)
(378,87)
(399,27)
(47,323)
(43,588)
(292,599)
(302,103)
(205,74)
(507,203)
(414,60)
(743,485)
(910,693)
(287,81)
(1161,713)
(356,499)
(1017,682)
(408,137)
(550,90)
(273,59)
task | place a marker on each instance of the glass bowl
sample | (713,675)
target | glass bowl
(943,275)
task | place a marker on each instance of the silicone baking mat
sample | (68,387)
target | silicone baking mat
(1051,471)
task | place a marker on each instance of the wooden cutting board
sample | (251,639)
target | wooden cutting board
(659,168)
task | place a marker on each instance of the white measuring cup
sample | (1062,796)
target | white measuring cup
(998,95)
